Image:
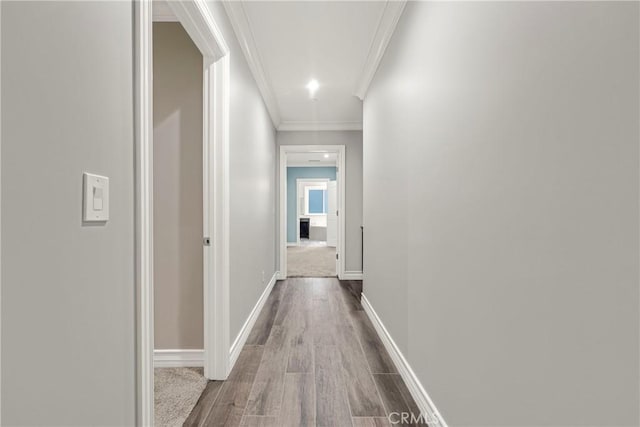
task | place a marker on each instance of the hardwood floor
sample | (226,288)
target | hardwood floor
(313,358)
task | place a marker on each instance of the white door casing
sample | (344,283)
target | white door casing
(196,18)
(332,214)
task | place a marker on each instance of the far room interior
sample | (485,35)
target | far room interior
(312,223)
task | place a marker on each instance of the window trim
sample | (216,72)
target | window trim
(306,199)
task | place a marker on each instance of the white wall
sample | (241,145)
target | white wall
(501,208)
(252,186)
(177,189)
(67,288)
(352,140)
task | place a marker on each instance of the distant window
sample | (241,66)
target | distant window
(316,201)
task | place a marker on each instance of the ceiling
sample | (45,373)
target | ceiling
(312,159)
(328,41)
(288,43)
(338,43)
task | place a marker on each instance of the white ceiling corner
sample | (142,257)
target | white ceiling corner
(386,27)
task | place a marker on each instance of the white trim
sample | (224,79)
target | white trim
(292,244)
(318,126)
(242,28)
(342,208)
(352,275)
(386,27)
(196,18)
(419,394)
(198,22)
(217,299)
(185,358)
(144,211)
(282,179)
(0,227)
(241,339)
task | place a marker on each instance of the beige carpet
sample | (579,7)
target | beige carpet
(311,261)
(176,393)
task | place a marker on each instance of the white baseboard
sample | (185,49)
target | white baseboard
(419,394)
(178,358)
(352,275)
(238,343)
(289,244)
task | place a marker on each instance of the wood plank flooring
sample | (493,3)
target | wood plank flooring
(313,358)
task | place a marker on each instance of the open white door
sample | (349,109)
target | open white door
(332,214)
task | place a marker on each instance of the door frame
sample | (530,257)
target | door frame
(285,150)
(0,217)
(198,21)
(298,181)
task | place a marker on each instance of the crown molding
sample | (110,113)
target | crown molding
(242,28)
(388,21)
(318,126)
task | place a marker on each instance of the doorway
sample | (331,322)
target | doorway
(313,253)
(312,211)
(178,223)
(196,19)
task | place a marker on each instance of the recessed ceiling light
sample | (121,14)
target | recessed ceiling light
(326,156)
(312,87)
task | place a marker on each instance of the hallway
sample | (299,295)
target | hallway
(335,213)
(313,358)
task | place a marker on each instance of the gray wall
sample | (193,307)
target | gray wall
(501,208)
(252,165)
(177,188)
(352,140)
(67,288)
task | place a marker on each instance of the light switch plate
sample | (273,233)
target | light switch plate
(96,198)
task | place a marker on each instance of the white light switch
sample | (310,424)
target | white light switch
(96,197)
